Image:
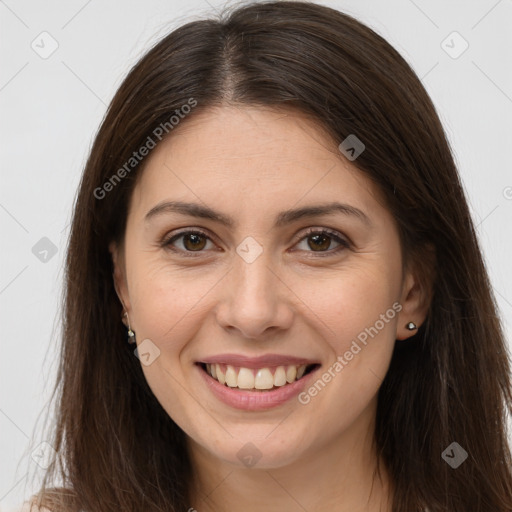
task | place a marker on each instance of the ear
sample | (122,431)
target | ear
(119,276)
(417,293)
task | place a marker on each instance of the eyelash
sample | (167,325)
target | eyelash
(344,244)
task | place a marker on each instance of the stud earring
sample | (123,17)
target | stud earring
(131,334)
(411,326)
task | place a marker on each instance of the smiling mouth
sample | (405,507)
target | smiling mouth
(257,379)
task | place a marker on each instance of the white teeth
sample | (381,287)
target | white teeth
(231,379)
(280,376)
(264,379)
(291,373)
(247,378)
(221,377)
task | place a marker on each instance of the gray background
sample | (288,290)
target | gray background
(51,108)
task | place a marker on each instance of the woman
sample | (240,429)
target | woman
(272,210)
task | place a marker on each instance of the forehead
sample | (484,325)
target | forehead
(227,155)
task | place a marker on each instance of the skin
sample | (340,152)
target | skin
(251,163)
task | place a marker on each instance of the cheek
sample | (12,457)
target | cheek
(168,301)
(350,300)
(169,310)
(367,346)
(357,311)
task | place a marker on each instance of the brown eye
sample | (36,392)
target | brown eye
(319,242)
(194,242)
(191,241)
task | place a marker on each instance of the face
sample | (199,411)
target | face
(253,280)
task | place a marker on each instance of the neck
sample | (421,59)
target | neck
(340,474)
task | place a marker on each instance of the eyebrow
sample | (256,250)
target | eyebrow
(282,219)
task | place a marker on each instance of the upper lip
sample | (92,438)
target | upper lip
(262,361)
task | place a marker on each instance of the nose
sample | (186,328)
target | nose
(255,301)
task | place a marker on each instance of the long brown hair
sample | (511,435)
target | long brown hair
(118,449)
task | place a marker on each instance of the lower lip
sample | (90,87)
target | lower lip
(255,400)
